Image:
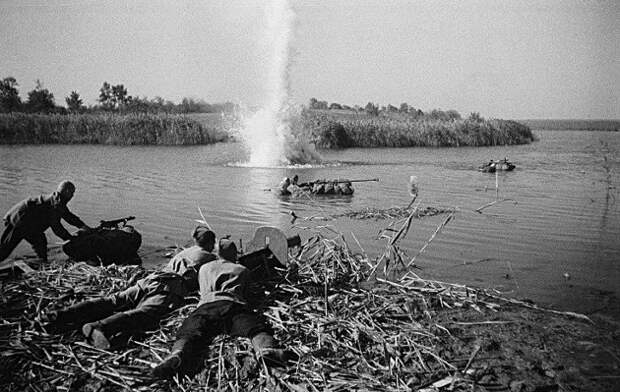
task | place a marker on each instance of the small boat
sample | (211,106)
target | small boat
(493,166)
(336,187)
(319,188)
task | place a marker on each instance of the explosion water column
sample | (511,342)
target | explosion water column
(267,133)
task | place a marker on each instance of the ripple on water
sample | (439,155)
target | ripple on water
(564,218)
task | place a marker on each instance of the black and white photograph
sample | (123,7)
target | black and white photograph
(309,195)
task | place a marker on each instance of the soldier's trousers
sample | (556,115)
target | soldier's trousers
(136,309)
(210,320)
(12,236)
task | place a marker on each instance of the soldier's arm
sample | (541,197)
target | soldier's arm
(60,230)
(72,219)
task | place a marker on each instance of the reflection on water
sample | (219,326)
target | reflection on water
(564,218)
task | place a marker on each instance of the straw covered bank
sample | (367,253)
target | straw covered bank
(356,325)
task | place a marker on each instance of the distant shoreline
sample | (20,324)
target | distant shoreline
(324,128)
(572,125)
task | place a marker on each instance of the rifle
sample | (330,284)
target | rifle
(335,182)
(109,224)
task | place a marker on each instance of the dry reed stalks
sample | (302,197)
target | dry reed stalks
(353,330)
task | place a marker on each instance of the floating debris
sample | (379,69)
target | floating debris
(394,213)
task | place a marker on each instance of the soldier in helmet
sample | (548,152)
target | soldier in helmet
(28,220)
(283,186)
(107,320)
(223,309)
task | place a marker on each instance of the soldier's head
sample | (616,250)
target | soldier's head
(227,250)
(65,191)
(204,238)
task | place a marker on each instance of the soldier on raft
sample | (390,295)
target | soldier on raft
(319,187)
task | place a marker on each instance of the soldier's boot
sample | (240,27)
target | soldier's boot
(174,363)
(73,317)
(266,349)
(95,336)
(109,332)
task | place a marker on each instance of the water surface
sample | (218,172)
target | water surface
(556,242)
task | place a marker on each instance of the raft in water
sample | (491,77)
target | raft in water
(493,166)
(326,188)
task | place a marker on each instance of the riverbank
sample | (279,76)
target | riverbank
(573,125)
(326,129)
(353,329)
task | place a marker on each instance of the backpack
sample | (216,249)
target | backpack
(104,246)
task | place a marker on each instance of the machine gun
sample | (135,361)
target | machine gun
(110,242)
(268,248)
(109,224)
(318,182)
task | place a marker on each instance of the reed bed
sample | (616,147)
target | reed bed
(323,129)
(108,128)
(360,130)
(354,330)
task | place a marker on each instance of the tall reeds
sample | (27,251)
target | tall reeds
(360,130)
(107,128)
(325,130)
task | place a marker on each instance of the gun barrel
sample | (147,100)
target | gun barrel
(345,180)
(114,222)
(368,180)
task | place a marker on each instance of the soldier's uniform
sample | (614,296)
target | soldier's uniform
(222,310)
(139,307)
(283,186)
(28,220)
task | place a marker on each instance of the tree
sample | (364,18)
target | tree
(453,115)
(40,99)
(438,114)
(105,96)
(143,105)
(316,104)
(9,96)
(119,96)
(113,97)
(74,102)
(475,116)
(372,109)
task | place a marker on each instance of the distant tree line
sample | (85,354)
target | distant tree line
(404,108)
(112,98)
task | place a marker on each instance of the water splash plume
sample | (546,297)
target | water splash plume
(267,133)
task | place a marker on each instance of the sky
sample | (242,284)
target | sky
(503,59)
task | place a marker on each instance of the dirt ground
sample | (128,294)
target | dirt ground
(522,349)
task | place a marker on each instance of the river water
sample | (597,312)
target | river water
(556,241)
